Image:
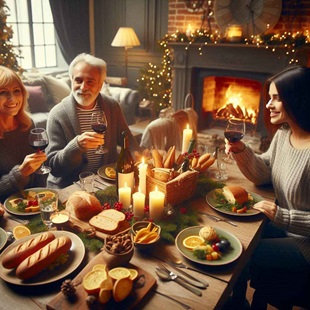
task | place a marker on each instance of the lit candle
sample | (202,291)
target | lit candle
(142,176)
(138,201)
(156,204)
(187,136)
(124,196)
(189,30)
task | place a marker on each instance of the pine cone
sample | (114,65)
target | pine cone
(68,288)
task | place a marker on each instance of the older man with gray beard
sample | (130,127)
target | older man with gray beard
(72,142)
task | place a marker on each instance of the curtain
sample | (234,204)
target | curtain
(71,21)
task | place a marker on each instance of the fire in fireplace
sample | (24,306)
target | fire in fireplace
(227,97)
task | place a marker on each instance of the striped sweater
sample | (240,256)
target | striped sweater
(288,169)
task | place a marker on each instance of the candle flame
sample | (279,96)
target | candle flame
(187,126)
(142,160)
(156,188)
(125,184)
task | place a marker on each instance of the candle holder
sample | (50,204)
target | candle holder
(234,33)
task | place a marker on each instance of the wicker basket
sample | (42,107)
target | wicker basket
(177,190)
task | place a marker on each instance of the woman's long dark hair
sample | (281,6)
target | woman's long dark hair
(293,86)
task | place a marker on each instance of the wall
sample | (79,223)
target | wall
(295,16)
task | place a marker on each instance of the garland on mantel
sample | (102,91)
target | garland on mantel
(155,80)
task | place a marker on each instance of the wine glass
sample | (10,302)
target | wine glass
(99,124)
(234,132)
(48,207)
(221,162)
(38,139)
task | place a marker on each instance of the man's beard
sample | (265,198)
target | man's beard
(83,101)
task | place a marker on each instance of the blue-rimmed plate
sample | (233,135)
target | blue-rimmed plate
(3,238)
(76,255)
(227,257)
(9,207)
(213,201)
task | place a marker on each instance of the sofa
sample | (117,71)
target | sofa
(45,91)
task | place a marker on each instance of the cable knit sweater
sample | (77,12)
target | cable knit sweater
(288,169)
(13,149)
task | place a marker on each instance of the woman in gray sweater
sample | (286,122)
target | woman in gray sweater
(18,162)
(280,265)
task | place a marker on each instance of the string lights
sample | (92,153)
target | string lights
(155,81)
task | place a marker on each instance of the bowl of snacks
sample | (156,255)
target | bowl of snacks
(118,249)
(145,234)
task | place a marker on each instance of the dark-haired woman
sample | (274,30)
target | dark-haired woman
(280,265)
(18,162)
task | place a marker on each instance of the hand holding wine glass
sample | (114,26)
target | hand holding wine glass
(38,139)
(99,124)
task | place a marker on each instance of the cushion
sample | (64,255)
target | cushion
(36,101)
(57,88)
(105,89)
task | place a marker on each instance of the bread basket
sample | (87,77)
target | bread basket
(177,190)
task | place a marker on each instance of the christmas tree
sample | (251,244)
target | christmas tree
(8,55)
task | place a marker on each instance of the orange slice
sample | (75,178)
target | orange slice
(122,289)
(20,232)
(192,242)
(110,172)
(119,273)
(133,274)
(92,281)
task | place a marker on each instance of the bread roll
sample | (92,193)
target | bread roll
(38,261)
(84,205)
(16,255)
(235,194)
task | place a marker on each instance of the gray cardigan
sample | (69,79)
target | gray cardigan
(66,158)
(288,169)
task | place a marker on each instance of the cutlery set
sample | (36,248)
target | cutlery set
(188,283)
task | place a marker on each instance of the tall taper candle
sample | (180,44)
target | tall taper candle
(187,135)
(142,176)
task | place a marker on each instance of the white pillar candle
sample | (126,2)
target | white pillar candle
(142,176)
(156,205)
(124,196)
(187,136)
(138,201)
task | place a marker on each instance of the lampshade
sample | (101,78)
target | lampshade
(125,37)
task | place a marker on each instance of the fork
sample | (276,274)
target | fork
(218,219)
(24,222)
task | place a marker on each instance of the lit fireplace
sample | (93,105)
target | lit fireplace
(227,97)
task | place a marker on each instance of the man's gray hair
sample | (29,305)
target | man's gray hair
(93,61)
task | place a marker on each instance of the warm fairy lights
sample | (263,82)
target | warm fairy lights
(155,81)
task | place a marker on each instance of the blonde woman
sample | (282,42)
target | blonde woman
(18,162)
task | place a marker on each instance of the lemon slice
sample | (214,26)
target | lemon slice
(192,242)
(102,267)
(119,273)
(110,172)
(20,232)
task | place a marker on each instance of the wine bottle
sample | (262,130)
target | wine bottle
(125,166)
(185,165)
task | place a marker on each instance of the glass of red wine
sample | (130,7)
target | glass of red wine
(38,139)
(234,131)
(99,124)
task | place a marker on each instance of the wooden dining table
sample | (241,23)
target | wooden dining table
(221,279)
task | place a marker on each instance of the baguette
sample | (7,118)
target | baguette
(207,164)
(170,159)
(38,261)
(16,255)
(203,158)
(158,160)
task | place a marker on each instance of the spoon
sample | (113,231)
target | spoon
(10,236)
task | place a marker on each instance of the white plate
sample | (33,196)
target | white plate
(3,238)
(214,204)
(101,172)
(76,255)
(8,207)
(231,255)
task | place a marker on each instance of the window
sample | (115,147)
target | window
(34,34)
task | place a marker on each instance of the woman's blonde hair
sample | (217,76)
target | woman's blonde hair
(8,77)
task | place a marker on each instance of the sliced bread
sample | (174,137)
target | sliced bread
(104,224)
(113,214)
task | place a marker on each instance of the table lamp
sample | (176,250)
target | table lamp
(125,37)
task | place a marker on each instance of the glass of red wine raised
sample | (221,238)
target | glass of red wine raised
(234,132)
(38,139)
(99,124)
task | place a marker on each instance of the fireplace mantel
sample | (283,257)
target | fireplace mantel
(225,57)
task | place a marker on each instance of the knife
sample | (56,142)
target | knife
(191,279)
(217,218)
